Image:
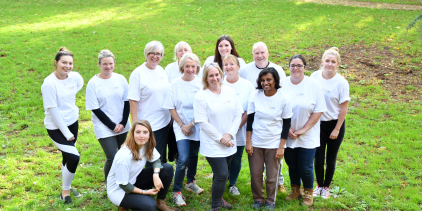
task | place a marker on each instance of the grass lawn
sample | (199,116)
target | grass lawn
(379,164)
(416,2)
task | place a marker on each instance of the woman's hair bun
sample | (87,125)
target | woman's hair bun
(63,49)
(334,49)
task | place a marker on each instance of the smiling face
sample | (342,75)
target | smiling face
(260,56)
(154,58)
(180,51)
(107,66)
(231,68)
(189,68)
(213,78)
(224,48)
(141,135)
(268,82)
(330,63)
(64,65)
(295,70)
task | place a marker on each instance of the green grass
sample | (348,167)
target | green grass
(415,2)
(379,162)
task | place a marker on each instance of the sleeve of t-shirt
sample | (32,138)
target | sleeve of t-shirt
(287,110)
(170,100)
(79,81)
(58,120)
(320,105)
(281,72)
(251,104)
(237,117)
(242,62)
(242,71)
(125,88)
(49,96)
(122,169)
(314,75)
(155,155)
(344,92)
(135,86)
(91,97)
(168,71)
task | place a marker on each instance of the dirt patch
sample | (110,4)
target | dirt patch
(377,5)
(380,67)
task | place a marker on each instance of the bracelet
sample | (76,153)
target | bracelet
(156,172)
(193,124)
(145,192)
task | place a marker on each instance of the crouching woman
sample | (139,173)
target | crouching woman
(129,184)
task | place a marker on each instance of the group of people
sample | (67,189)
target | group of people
(218,110)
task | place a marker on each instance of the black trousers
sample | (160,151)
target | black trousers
(332,146)
(220,170)
(144,180)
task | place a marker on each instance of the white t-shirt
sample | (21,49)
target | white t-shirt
(124,170)
(109,95)
(244,90)
(172,71)
(306,98)
(220,111)
(210,59)
(180,97)
(250,72)
(269,114)
(336,92)
(149,88)
(61,94)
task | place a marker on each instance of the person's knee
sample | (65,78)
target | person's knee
(222,175)
(167,169)
(183,160)
(149,205)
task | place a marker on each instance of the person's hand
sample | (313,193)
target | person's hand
(227,140)
(300,132)
(119,128)
(71,139)
(334,134)
(152,192)
(187,129)
(279,153)
(157,182)
(249,148)
(292,134)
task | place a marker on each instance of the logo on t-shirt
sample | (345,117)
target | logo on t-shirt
(71,87)
(226,102)
(160,78)
(300,94)
(193,92)
(271,107)
(326,91)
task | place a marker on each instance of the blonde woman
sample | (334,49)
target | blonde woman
(172,69)
(336,93)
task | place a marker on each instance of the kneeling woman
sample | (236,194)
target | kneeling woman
(269,113)
(218,112)
(129,183)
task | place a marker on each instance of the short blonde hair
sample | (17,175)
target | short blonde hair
(105,54)
(207,68)
(152,46)
(231,57)
(189,56)
(179,45)
(332,51)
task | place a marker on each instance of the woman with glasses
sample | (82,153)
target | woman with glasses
(244,90)
(336,93)
(224,47)
(179,101)
(148,87)
(308,105)
(218,112)
(269,113)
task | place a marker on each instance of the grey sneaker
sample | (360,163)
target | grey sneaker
(193,187)
(66,199)
(269,206)
(234,190)
(225,204)
(257,205)
(178,199)
(75,193)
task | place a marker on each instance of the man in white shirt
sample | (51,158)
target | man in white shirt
(260,55)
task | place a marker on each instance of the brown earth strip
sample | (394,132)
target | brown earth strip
(377,5)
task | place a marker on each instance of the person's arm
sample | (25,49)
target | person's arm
(211,131)
(249,148)
(244,119)
(340,121)
(58,120)
(129,188)
(237,117)
(284,133)
(125,117)
(200,113)
(186,128)
(104,118)
(79,83)
(133,110)
(313,119)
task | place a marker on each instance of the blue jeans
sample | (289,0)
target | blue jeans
(188,157)
(235,165)
(300,162)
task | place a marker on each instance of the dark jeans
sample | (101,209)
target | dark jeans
(235,166)
(110,146)
(332,146)
(161,143)
(220,169)
(300,162)
(188,157)
(171,144)
(144,180)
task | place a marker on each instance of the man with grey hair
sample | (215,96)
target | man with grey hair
(260,55)
(251,72)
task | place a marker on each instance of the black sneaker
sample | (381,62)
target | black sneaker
(257,205)
(269,206)
(66,199)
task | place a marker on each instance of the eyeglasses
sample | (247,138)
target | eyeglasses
(155,54)
(215,64)
(296,66)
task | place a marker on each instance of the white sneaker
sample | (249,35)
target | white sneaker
(317,191)
(178,199)
(325,193)
(193,187)
(234,190)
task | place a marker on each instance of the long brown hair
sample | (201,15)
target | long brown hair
(217,56)
(134,148)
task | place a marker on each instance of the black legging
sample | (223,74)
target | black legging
(332,145)
(69,152)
